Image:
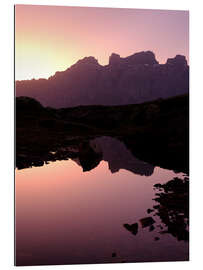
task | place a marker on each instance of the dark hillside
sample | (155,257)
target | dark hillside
(156,132)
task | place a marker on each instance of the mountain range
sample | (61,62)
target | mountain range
(130,80)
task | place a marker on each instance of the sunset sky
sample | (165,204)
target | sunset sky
(50,38)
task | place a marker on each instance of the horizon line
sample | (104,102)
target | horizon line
(47,78)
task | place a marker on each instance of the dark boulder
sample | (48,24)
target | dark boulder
(133,228)
(148,221)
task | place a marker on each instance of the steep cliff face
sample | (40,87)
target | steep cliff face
(134,79)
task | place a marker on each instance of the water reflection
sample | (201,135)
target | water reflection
(106,214)
(119,157)
(88,158)
(88,154)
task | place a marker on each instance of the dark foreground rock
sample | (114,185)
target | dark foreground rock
(133,228)
(147,221)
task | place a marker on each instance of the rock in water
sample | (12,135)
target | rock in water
(148,221)
(132,228)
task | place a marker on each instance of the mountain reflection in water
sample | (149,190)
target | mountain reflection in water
(119,157)
(107,214)
(89,152)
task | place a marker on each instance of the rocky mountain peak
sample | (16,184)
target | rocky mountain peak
(114,59)
(144,57)
(140,58)
(177,60)
(88,60)
(134,79)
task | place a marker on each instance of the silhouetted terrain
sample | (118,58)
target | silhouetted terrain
(155,132)
(135,79)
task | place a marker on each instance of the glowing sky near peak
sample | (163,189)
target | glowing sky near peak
(51,38)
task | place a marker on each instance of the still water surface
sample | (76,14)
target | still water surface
(67,216)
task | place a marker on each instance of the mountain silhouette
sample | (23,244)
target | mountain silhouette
(134,79)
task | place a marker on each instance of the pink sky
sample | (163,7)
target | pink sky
(51,38)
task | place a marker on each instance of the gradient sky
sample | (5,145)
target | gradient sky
(51,38)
